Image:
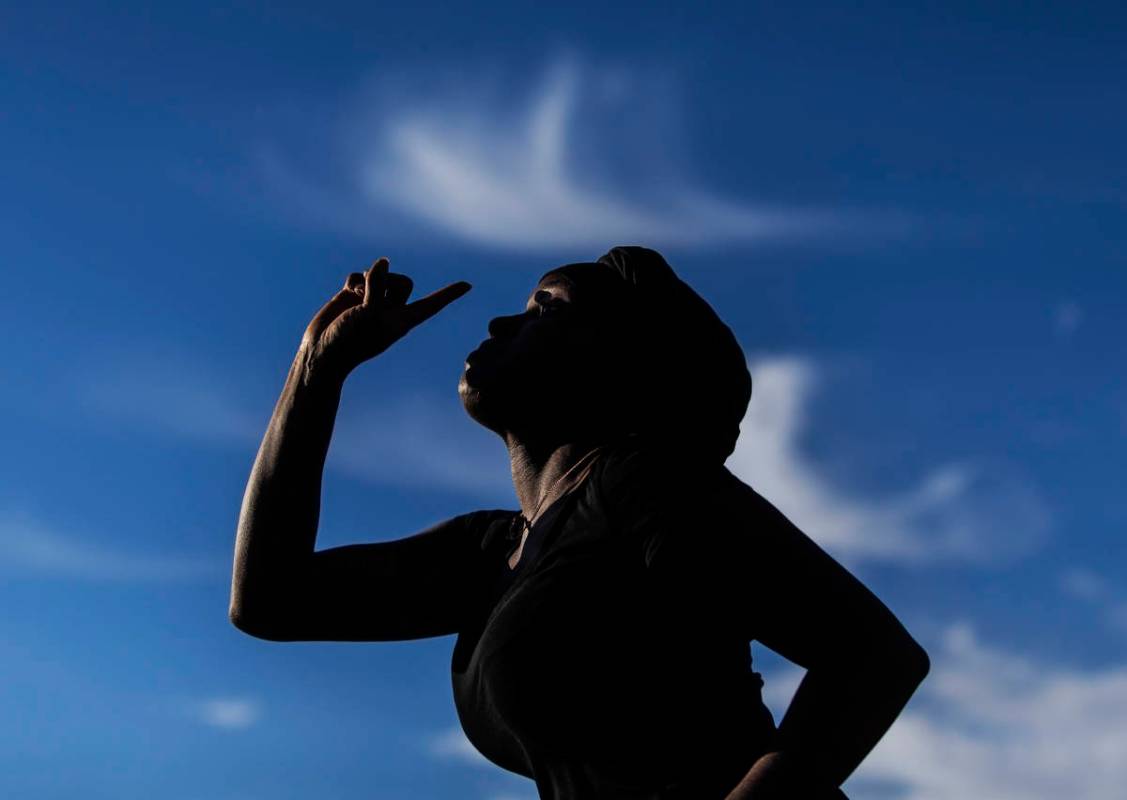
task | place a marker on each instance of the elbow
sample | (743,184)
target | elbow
(239,619)
(917,662)
(259,608)
(900,663)
(242,621)
(908,663)
(256,625)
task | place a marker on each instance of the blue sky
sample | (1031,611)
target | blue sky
(912,219)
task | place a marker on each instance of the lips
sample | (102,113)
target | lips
(483,350)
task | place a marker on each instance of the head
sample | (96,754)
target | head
(608,348)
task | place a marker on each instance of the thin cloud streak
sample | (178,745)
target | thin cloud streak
(987,723)
(994,724)
(452,744)
(418,441)
(227,713)
(956,512)
(414,441)
(29,547)
(548,175)
(1098,591)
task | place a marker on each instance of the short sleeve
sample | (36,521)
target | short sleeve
(491,528)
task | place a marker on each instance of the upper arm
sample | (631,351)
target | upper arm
(801,602)
(410,588)
(730,552)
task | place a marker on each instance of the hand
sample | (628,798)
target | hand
(366,317)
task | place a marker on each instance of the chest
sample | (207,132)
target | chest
(584,626)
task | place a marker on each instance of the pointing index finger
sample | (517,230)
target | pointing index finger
(426,307)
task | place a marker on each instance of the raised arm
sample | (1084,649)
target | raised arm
(281,588)
(862,665)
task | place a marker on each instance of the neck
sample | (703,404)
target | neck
(538,466)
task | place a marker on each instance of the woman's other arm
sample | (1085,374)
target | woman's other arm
(281,588)
(862,666)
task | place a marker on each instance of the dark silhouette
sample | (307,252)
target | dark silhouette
(603,631)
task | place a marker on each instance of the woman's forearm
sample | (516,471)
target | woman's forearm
(834,720)
(278,521)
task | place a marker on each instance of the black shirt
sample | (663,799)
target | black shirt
(614,661)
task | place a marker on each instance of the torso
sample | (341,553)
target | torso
(584,675)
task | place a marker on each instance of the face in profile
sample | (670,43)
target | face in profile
(546,370)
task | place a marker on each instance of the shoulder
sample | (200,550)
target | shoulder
(631,462)
(684,503)
(655,492)
(469,532)
(637,465)
(479,529)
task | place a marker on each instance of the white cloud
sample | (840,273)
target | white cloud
(452,744)
(230,713)
(1084,584)
(29,547)
(1093,588)
(994,725)
(987,723)
(418,441)
(582,163)
(955,512)
(172,394)
(413,441)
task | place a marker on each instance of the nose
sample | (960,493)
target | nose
(505,327)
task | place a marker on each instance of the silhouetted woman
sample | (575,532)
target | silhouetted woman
(603,631)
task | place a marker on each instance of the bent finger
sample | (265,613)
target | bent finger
(375,280)
(355,283)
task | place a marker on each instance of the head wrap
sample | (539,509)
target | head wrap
(691,375)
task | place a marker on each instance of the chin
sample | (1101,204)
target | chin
(475,401)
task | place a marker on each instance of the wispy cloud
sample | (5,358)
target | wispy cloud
(994,724)
(1095,589)
(174,395)
(987,723)
(1085,584)
(955,512)
(580,162)
(452,744)
(420,441)
(228,713)
(415,441)
(30,547)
